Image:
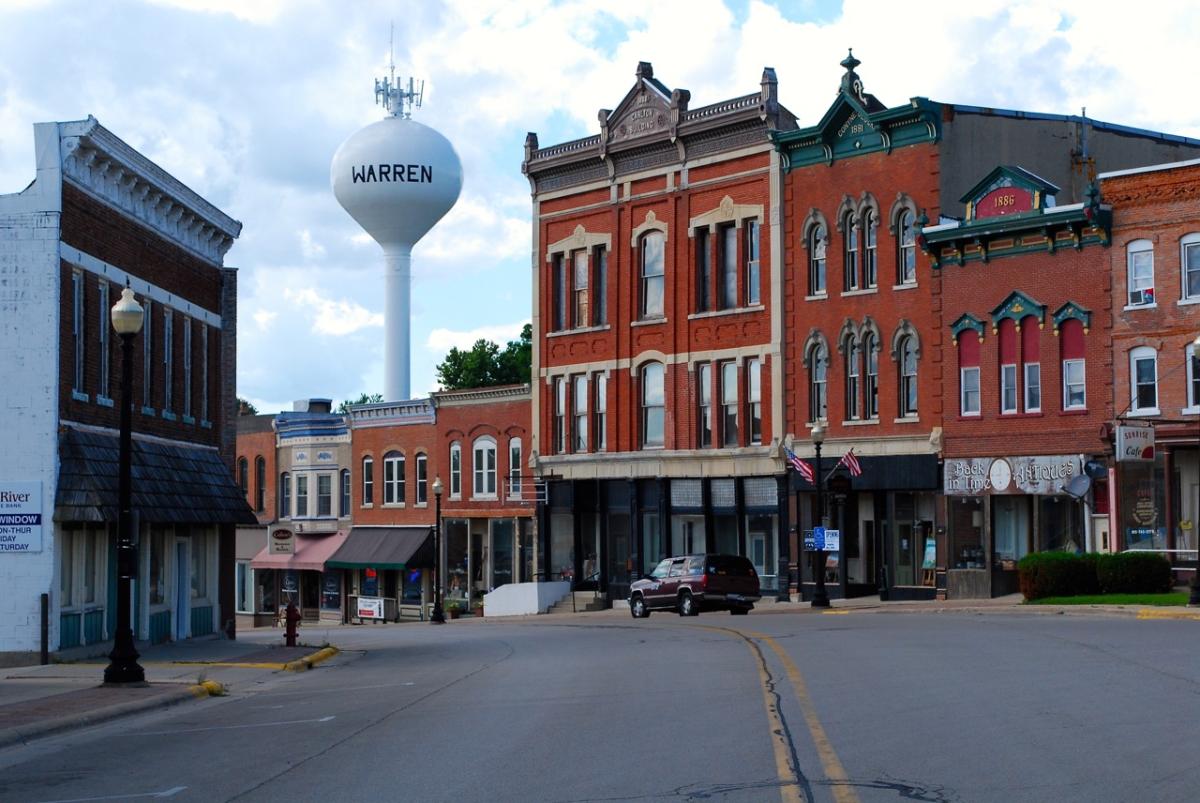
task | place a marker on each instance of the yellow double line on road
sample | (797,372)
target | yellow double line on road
(789,790)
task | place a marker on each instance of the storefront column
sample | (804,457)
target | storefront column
(1169,499)
(784,560)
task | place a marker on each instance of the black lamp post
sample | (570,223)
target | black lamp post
(123,664)
(820,597)
(437,616)
(1194,597)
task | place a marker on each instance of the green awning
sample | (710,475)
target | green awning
(384,548)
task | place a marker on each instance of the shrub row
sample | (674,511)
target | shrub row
(1063,574)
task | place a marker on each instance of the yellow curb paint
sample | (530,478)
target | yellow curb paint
(323,654)
(830,762)
(233,664)
(1152,613)
(836,613)
(207,688)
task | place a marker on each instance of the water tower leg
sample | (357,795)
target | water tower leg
(397,285)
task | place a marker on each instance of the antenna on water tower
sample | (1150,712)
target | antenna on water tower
(397,178)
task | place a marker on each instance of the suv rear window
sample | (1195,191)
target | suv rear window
(695,566)
(733,565)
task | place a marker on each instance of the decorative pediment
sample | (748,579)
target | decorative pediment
(651,223)
(1072,310)
(964,322)
(645,111)
(579,239)
(1016,307)
(726,212)
(1008,190)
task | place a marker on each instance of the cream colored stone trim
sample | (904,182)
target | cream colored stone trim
(726,212)
(652,223)
(535,398)
(775,188)
(578,240)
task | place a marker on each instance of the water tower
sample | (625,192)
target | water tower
(396,178)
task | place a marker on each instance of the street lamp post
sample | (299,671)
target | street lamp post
(1194,597)
(437,616)
(820,596)
(123,664)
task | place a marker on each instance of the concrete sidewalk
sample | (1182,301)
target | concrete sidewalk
(38,701)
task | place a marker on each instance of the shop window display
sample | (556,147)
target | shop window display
(966,533)
(1010,528)
(331,591)
(455,531)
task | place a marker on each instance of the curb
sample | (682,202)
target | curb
(309,661)
(23,734)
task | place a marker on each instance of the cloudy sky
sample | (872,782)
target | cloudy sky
(247,100)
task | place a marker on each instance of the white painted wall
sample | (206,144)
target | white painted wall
(516,599)
(29,320)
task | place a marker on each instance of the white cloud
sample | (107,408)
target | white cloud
(264,318)
(309,247)
(333,316)
(259,11)
(441,340)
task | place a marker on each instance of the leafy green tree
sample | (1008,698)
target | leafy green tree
(245,407)
(484,364)
(363,398)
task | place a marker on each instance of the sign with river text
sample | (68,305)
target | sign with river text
(20,517)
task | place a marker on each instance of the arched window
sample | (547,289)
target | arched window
(818,373)
(653,406)
(1008,366)
(871,385)
(422,479)
(368,481)
(853,353)
(870,261)
(483,467)
(850,252)
(393,478)
(652,274)
(244,477)
(1143,380)
(1031,365)
(514,468)
(260,484)
(968,373)
(344,509)
(1074,366)
(816,261)
(285,495)
(455,470)
(906,249)
(1139,257)
(908,376)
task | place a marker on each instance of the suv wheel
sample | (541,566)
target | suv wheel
(687,605)
(637,607)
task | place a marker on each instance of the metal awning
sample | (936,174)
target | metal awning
(384,548)
(312,553)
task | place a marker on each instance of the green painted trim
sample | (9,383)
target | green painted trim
(917,122)
(1016,307)
(1072,310)
(961,258)
(964,322)
(1020,177)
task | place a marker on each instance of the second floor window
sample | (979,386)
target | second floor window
(422,480)
(729,267)
(652,275)
(850,255)
(818,367)
(753,271)
(1192,356)
(729,404)
(754,399)
(704,404)
(244,477)
(105,327)
(169,361)
(816,261)
(600,296)
(187,367)
(560,415)
(1189,263)
(302,495)
(285,495)
(344,508)
(601,412)
(147,354)
(558,281)
(870,254)
(579,415)
(514,467)
(871,388)
(1140,258)
(78,327)
(968,373)
(484,465)
(260,484)
(1072,345)
(704,284)
(393,479)
(853,369)
(455,471)
(653,406)
(368,481)
(1143,373)
(324,494)
(579,290)
(906,249)
(908,377)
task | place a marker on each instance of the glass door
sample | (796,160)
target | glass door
(502,553)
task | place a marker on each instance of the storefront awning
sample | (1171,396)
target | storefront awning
(312,553)
(384,548)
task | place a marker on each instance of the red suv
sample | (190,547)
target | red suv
(694,583)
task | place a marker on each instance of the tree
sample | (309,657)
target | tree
(363,398)
(245,407)
(484,364)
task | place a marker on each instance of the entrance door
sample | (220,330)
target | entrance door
(183,591)
(758,552)
(687,535)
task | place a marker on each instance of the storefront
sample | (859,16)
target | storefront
(383,572)
(291,569)
(483,553)
(999,509)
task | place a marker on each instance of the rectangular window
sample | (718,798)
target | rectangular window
(1145,373)
(601,412)
(168,359)
(969,384)
(105,327)
(422,480)
(245,587)
(514,468)
(704,400)
(203,372)
(301,495)
(344,509)
(260,484)
(871,395)
(285,496)
(1074,394)
(870,253)
(753,274)
(1191,269)
(1192,356)
(1141,276)
(579,402)
(754,394)
(77,329)
(729,404)
(1033,387)
(147,354)
(653,273)
(1008,388)
(393,480)
(199,565)
(703,272)
(579,289)
(600,299)
(455,471)
(729,270)
(324,495)
(560,415)
(853,356)
(558,279)
(484,465)
(368,470)
(187,367)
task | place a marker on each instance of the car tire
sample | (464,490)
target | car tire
(739,611)
(687,605)
(638,609)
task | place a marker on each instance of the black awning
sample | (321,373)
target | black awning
(172,483)
(384,548)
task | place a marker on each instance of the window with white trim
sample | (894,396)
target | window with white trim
(368,481)
(102,391)
(818,398)
(558,286)
(870,250)
(324,494)
(906,249)
(754,399)
(455,470)
(600,297)
(1139,256)
(969,384)
(301,495)
(77,329)
(1143,377)
(653,274)
(908,377)
(1008,388)
(1033,387)
(853,367)
(816,261)
(704,284)
(753,271)
(653,406)
(729,404)
(560,415)
(871,389)
(1074,392)
(704,404)
(393,478)
(849,252)
(344,508)
(514,467)
(1189,266)
(422,479)
(601,385)
(579,289)
(1191,356)
(729,266)
(579,415)
(483,465)
(285,495)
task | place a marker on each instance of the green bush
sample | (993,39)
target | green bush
(1063,574)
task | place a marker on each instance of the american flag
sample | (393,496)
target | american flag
(850,461)
(803,468)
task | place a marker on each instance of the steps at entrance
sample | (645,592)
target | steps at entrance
(584,601)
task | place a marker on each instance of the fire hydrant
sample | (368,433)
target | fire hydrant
(291,619)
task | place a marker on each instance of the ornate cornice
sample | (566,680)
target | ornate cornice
(98,162)
(461,398)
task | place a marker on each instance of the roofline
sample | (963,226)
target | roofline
(1099,125)
(1149,169)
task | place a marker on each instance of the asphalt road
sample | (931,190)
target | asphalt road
(860,706)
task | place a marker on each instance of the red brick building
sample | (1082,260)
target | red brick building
(657,328)
(1155,269)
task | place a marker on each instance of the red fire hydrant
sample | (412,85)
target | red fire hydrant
(291,619)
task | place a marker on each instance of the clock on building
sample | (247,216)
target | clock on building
(1000,474)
